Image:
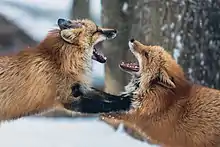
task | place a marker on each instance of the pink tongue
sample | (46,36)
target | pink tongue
(130,66)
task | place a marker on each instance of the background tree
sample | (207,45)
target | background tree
(149,21)
(153,22)
(201,42)
(80,9)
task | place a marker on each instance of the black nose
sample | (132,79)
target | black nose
(132,40)
(114,31)
(63,23)
(110,33)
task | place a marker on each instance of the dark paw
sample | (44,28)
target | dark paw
(76,90)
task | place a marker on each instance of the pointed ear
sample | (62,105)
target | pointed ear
(165,80)
(70,35)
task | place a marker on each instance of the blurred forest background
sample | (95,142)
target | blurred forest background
(188,29)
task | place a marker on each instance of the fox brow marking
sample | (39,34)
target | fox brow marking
(97,30)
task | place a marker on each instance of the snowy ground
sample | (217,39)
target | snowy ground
(42,132)
(36,17)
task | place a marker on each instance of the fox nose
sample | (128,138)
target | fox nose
(132,40)
(110,33)
(64,24)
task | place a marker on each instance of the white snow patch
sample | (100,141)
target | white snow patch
(164,27)
(202,63)
(172,25)
(120,128)
(190,70)
(125,7)
(176,54)
(37,26)
(41,132)
(179,17)
(178,42)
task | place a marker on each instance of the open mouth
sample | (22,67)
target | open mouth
(130,67)
(97,54)
(107,34)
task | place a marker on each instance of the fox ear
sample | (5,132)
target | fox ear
(70,35)
(165,80)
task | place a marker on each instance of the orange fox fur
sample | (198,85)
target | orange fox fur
(172,111)
(40,78)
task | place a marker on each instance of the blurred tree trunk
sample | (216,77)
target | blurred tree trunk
(80,9)
(201,42)
(116,50)
(149,21)
(153,22)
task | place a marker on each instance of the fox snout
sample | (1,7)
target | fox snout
(109,33)
(135,45)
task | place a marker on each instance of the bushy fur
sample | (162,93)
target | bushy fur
(172,112)
(40,78)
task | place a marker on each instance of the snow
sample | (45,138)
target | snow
(172,25)
(202,63)
(190,70)
(178,42)
(36,18)
(125,7)
(176,54)
(179,17)
(164,27)
(42,132)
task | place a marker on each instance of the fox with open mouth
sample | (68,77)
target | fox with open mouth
(166,107)
(41,77)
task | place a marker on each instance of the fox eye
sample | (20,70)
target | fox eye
(146,54)
(97,30)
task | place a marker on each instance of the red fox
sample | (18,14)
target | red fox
(167,108)
(40,78)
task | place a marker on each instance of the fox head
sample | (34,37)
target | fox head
(87,35)
(155,66)
(78,39)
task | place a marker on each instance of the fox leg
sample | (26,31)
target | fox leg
(96,101)
(60,111)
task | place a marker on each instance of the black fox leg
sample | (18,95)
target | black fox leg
(96,101)
(76,90)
